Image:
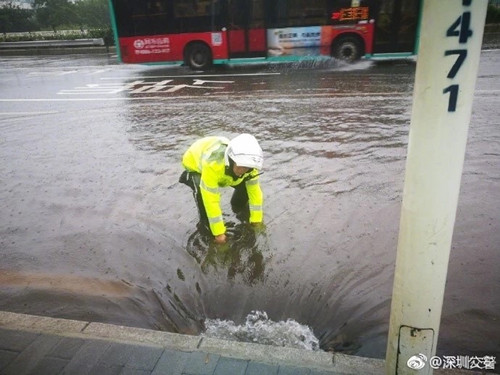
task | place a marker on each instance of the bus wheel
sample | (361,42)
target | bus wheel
(198,56)
(348,49)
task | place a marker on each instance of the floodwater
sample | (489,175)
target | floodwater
(95,226)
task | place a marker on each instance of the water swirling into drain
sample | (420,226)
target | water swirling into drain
(258,328)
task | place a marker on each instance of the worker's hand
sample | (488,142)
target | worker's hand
(220,239)
(259,226)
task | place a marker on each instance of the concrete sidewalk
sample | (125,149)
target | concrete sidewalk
(39,345)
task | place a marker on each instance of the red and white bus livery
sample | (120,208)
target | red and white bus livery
(200,33)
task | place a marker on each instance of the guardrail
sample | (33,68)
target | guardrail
(46,33)
(97,42)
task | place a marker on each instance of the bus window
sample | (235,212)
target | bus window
(192,8)
(257,19)
(197,15)
(396,26)
(289,13)
(244,14)
(306,12)
(148,17)
(408,26)
(239,14)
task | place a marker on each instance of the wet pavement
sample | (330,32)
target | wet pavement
(95,226)
(40,345)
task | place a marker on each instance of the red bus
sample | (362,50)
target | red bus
(200,33)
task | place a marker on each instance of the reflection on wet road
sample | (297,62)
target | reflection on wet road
(95,226)
(241,255)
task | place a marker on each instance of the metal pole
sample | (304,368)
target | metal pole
(448,59)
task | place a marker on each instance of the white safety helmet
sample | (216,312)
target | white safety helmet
(245,151)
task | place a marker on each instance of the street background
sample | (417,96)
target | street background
(94,225)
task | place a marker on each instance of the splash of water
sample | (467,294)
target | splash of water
(258,328)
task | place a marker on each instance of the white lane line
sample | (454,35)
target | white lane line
(51,74)
(59,100)
(99,72)
(196,76)
(67,72)
(27,113)
(12,120)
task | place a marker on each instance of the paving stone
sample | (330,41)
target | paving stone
(132,356)
(171,362)
(49,366)
(86,358)
(6,357)
(200,363)
(143,357)
(67,347)
(288,370)
(231,366)
(28,359)
(321,372)
(16,340)
(117,354)
(133,371)
(255,368)
(103,369)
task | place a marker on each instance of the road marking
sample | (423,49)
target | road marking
(197,76)
(61,100)
(27,113)
(56,73)
(99,71)
(140,87)
(68,72)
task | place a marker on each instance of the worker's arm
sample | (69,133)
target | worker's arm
(211,200)
(255,199)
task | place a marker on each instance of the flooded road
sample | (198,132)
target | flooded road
(95,225)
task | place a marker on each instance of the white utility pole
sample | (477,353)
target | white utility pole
(447,64)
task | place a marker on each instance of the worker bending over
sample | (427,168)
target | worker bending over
(215,162)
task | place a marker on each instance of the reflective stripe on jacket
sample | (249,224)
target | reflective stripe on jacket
(206,156)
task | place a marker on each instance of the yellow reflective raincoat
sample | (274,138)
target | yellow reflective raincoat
(206,156)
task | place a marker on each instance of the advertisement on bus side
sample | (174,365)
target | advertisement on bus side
(298,40)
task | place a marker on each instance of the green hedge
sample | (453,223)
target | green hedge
(105,34)
(493,15)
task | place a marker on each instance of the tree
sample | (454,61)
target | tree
(93,13)
(55,13)
(15,19)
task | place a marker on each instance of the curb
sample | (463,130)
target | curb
(336,363)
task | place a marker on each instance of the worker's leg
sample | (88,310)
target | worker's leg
(239,202)
(192,179)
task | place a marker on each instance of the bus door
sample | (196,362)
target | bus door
(245,26)
(396,24)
